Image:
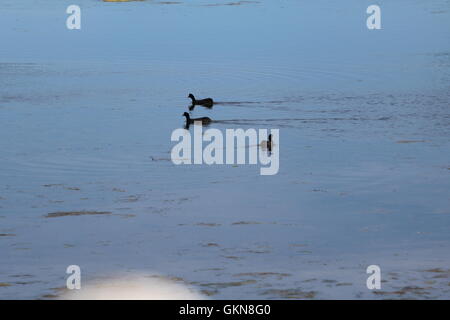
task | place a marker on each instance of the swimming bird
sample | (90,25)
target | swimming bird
(267,145)
(189,120)
(208,102)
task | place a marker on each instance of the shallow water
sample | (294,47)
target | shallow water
(86,118)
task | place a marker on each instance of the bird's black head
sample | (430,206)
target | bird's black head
(186,114)
(270,137)
(191,96)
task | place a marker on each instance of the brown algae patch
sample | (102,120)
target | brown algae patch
(408,290)
(204,224)
(167,277)
(437,270)
(439,273)
(209,269)
(4,284)
(75,213)
(209,244)
(328,281)
(257,251)
(310,280)
(342,284)
(410,141)
(291,293)
(222,285)
(263,274)
(121,0)
(72,188)
(50,185)
(209,293)
(232,257)
(50,296)
(244,223)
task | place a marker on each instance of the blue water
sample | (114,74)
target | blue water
(85,123)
